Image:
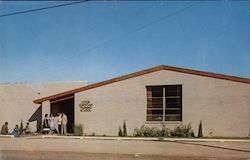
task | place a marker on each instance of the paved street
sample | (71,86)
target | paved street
(121,149)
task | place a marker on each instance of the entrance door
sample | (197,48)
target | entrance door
(66,106)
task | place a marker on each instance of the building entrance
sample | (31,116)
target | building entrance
(64,105)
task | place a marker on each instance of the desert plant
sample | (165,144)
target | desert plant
(21,128)
(200,134)
(120,131)
(124,133)
(78,129)
(93,134)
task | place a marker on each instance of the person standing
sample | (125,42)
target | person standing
(59,123)
(52,123)
(64,123)
(46,124)
(5,129)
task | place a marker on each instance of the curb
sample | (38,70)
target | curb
(146,139)
(7,136)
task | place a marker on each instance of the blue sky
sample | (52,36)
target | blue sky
(83,42)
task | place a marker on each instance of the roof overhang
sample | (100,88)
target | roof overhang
(139,73)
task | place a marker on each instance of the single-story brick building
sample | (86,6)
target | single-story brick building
(16,100)
(162,94)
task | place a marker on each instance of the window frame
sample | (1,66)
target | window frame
(164,103)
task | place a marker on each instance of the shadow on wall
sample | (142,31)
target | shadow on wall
(37,116)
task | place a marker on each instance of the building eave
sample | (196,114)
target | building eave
(146,71)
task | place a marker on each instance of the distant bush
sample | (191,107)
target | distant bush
(179,131)
(78,130)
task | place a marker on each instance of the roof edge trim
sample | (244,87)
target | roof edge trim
(146,71)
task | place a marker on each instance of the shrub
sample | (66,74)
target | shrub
(78,129)
(179,131)
(120,131)
(183,131)
(200,134)
(145,131)
(124,129)
(165,132)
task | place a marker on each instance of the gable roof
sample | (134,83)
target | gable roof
(146,71)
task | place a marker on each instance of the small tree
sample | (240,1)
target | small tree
(200,134)
(78,129)
(21,127)
(120,131)
(124,129)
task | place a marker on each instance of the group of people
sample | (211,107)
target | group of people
(55,124)
(50,125)
(16,131)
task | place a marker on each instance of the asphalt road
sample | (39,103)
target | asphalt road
(51,149)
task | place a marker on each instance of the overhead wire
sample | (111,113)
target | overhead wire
(130,32)
(42,8)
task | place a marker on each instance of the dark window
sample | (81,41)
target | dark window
(164,103)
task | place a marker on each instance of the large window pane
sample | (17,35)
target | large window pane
(157,91)
(154,118)
(171,117)
(173,90)
(173,105)
(172,99)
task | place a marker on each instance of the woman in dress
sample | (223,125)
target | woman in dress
(52,123)
(46,124)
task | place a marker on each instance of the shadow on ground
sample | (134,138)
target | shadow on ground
(213,146)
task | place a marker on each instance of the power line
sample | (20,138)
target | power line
(150,23)
(129,32)
(43,8)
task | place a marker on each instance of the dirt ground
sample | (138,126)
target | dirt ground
(77,149)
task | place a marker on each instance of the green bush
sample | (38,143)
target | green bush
(183,131)
(165,132)
(179,131)
(145,131)
(78,130)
